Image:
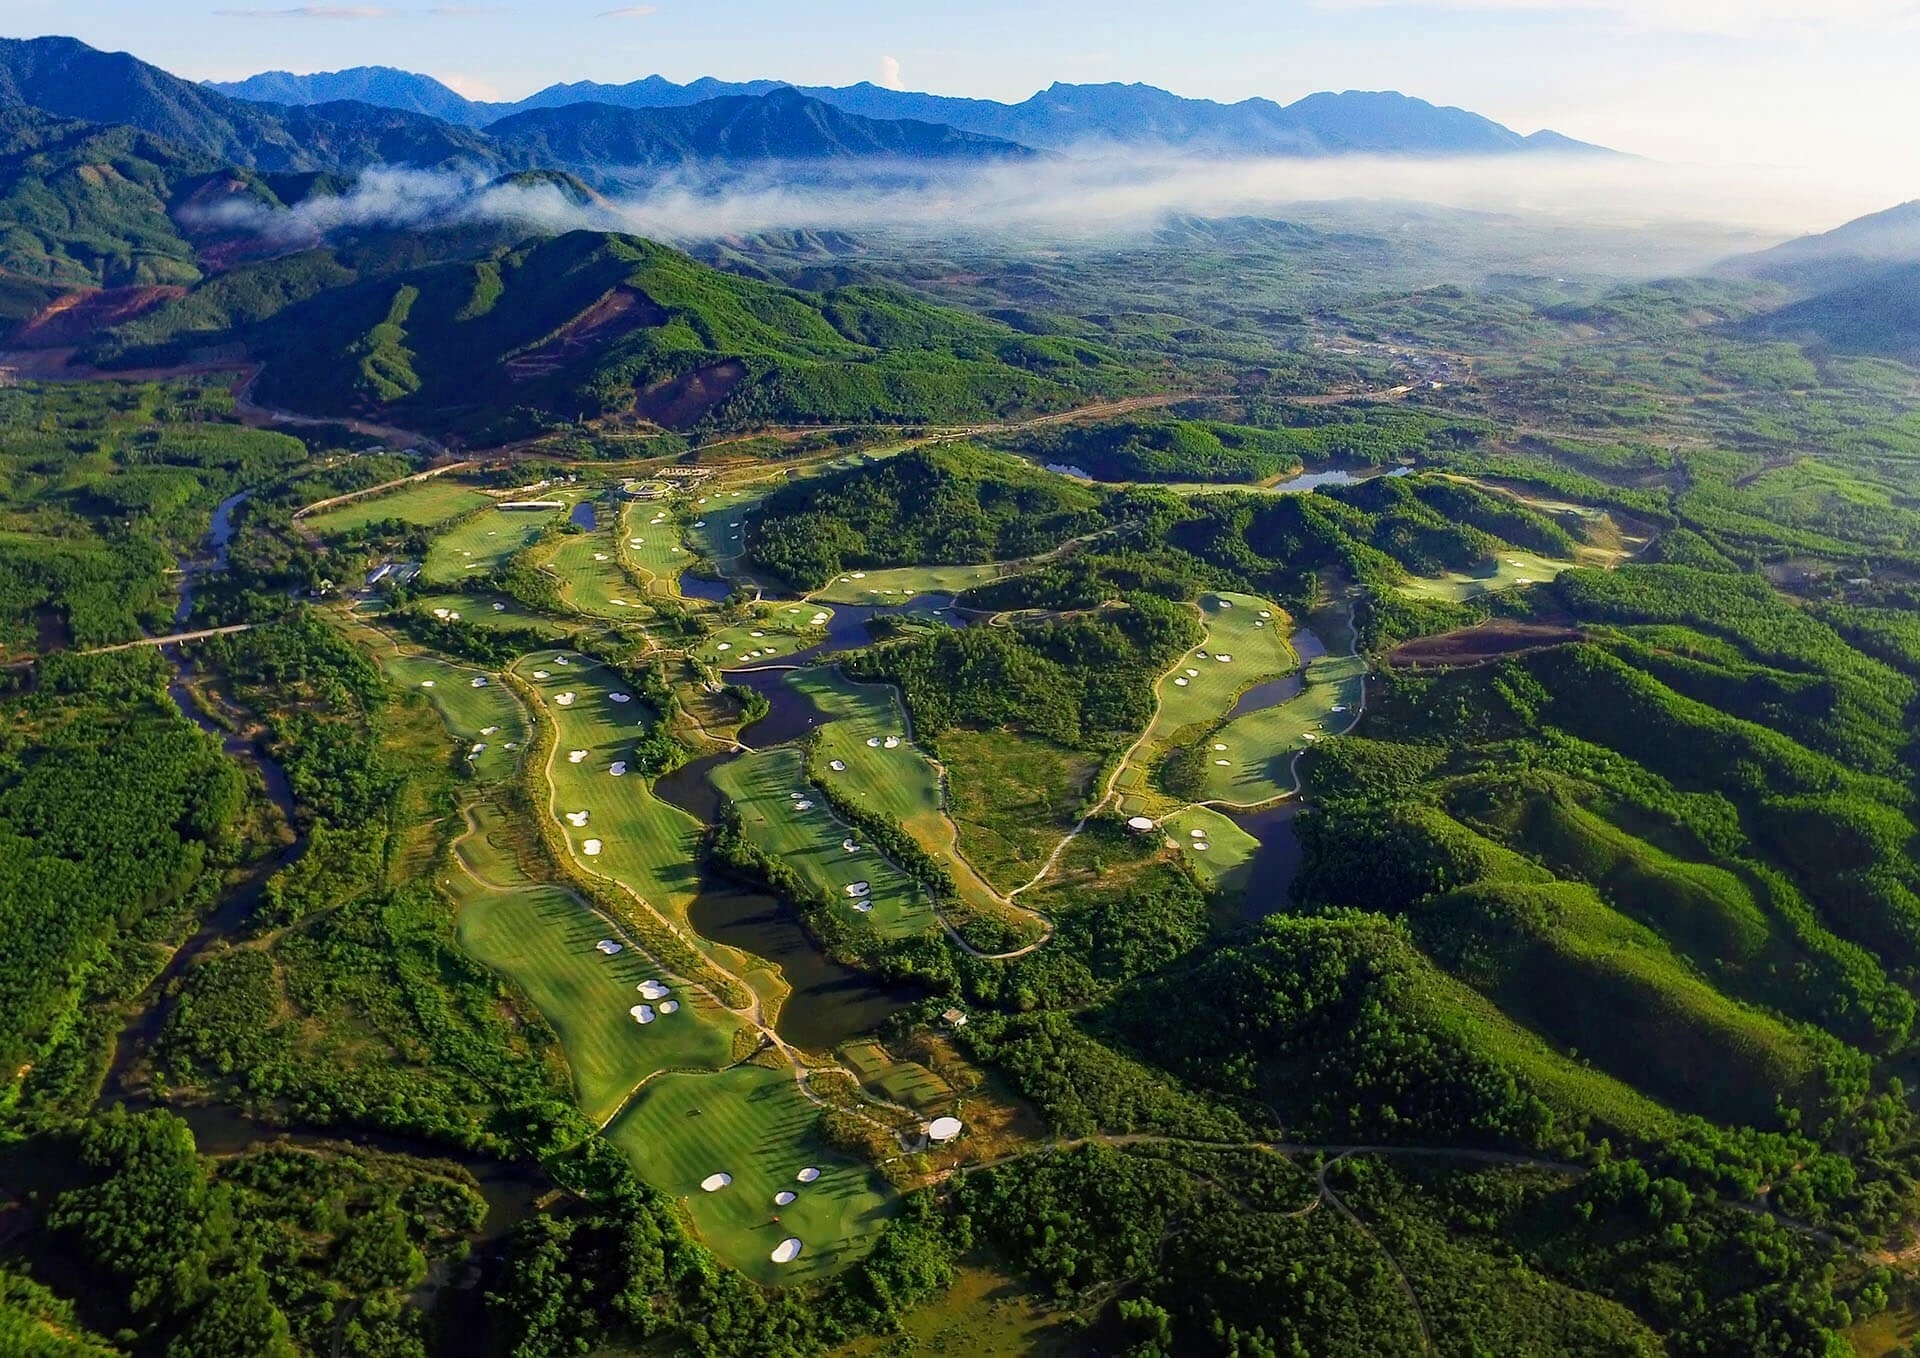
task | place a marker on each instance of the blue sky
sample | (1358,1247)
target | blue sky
(1824,86)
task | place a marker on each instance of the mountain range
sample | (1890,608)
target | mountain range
(1057,118)
(1855,289)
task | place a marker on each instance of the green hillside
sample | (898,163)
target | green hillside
(590,326)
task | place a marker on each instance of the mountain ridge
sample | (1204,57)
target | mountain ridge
(1058,117)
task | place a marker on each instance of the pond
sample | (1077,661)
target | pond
(1278,861)
(830,1002)
(1332,476)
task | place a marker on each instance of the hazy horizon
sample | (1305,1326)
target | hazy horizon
(1825,98)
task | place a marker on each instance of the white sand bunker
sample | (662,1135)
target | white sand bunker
(576,818)
(542,674)
(1201,846)
(1338,707)
(619,697)
(560,660)
(863,907)
(850,846)
(713,1183)
(873,742)
(480,681)
(859,575)
(893,742)
(591,848)
(818,618)
(576,756)
(1198,834)
(724,646)
(756,635)
(642,1013)
(607,946)
(426,683)
(617,769)
(803,805)
(787,1250)
(784,1197)
(1226,603)
(1224,763)
(1193,674)
(489,730)
(1265,614)
(669,1006)
(441,612)
(859,889)
(1224,659)
(1219,747)
(477,750)
(699,523)
(638,542)
(837,765)
(599,556)
(499,608)
(566,699)
(652,990)
(807,1175)
(1181,683)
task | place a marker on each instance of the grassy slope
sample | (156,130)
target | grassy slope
(1261,745)
(482,544)
(467,711)
(424,503)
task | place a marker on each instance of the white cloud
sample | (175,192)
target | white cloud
(1727,18)
(890,72)
(629,12)
(469,86)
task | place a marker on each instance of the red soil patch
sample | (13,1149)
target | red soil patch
(70,319)
(1482,642)
(679,403)
(616,315)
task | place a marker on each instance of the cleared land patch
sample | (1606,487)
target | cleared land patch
(1508,570)
(785,817)
(1013,798)
(752,1124)
(424,503)
(1484,641)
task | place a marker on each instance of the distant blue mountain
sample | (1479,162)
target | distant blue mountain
(1059,117)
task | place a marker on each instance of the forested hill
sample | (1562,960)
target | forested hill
(590,325)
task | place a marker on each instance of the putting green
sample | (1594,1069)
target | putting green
(1256,763)
(1222,855)
(641,841)
(1508,570)
(899,584)
(782,815)
(482,544)
(476,716)
(423,503)
(544,938)
(753,1123)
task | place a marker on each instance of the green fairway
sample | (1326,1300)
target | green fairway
(753,1123)
(484,542)
(486,715)
(785,817)
(543,937)
(588,567)
(717,525)
(1246,644)
(650,543)
(424,503)
(902,583)
(1508,570)
(1256,763)
(630,835)
(1222,856)
(902,783)
(493,611)
(774,631)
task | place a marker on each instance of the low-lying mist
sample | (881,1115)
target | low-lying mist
(1698,214)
